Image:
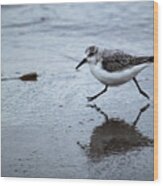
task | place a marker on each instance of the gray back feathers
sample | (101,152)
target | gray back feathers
(117,60)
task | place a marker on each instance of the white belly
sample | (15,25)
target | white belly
(115,78)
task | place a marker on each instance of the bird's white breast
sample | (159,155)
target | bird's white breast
(115,78)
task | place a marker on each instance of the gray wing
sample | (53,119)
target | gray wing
(116,60)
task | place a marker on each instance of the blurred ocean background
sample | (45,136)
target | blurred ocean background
(43,33)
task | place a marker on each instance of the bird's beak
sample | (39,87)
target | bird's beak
(81,63)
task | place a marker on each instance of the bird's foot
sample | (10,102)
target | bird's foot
(90,98)
(146,95)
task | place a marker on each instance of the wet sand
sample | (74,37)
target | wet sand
(48,129)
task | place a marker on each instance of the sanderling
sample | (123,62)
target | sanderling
(114,67)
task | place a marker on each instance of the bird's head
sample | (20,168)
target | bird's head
(91,56)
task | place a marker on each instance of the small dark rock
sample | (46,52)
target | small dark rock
(29,77)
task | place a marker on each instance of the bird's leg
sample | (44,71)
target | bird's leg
(140,90)
(97,95)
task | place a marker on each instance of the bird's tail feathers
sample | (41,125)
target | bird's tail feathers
(145,59)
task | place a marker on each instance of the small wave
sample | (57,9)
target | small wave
(25,24)
(12,6)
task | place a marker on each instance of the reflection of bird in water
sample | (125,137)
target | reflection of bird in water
(115,136)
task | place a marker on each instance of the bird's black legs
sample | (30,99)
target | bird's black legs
(140,90)
(97,95)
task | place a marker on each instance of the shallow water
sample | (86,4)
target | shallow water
(48,130)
